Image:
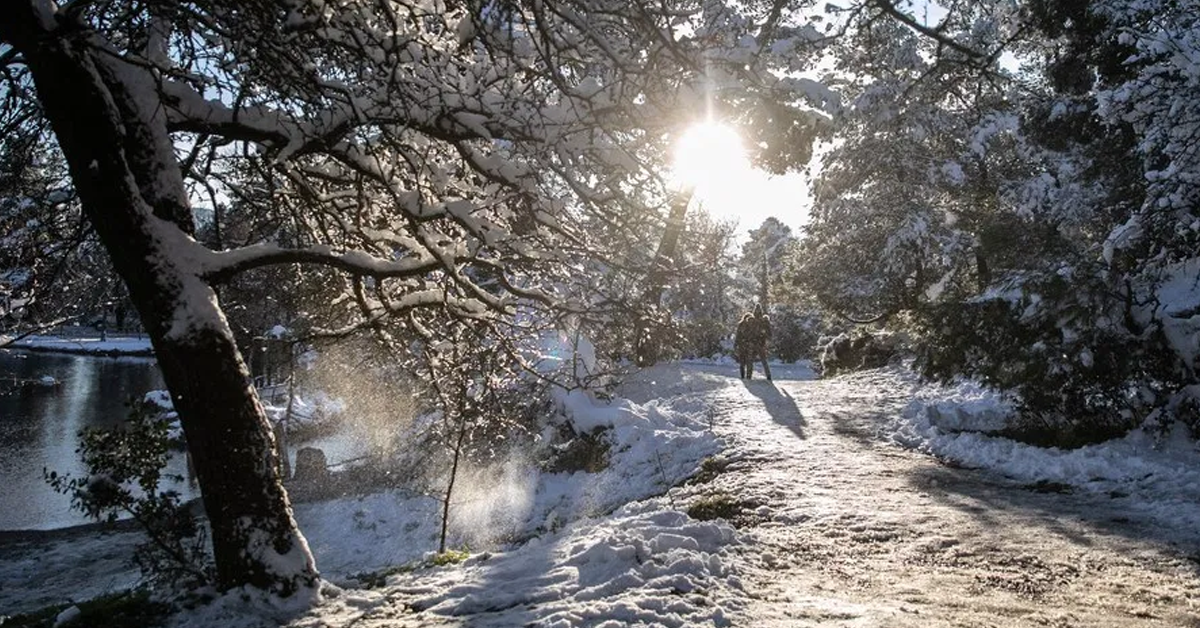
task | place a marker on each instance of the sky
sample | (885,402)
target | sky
(755,196)
(711,156)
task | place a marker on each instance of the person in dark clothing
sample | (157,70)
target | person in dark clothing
(751,341)
(742,349)
(762,340)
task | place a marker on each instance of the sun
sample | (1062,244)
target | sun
(710,158)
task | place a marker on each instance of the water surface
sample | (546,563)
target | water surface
(40,424)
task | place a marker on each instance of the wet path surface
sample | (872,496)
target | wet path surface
(855,531)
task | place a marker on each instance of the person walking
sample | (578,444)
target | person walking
(750,342)
(760,336)
(743,346)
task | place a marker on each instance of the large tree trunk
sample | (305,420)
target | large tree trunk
(110,126)
(648,336)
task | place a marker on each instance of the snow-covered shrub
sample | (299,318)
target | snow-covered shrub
(1186,410)
(857,350)
(1074,383)
(126,476)
(587,452)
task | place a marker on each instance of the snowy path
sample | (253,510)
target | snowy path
(837,528)
(855,532)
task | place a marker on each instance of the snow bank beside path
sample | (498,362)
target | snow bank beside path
(1160,476)
(599,549)
(655,445)
(641,566)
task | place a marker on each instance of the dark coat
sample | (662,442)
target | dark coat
(752,337)
(742,348)
(759,332)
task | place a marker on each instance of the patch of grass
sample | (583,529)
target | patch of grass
(1046,486)
(709,469)
(716,506)
(128,609)
(449,557)
(375,579)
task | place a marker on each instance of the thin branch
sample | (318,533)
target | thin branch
(933,33)
(7,342)
(866,321)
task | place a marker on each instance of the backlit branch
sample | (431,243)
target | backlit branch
(890,9)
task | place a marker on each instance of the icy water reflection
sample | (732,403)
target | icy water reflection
(45,400)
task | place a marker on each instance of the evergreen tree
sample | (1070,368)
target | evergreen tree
(1034,229)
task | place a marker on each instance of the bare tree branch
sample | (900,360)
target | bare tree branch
(933,33)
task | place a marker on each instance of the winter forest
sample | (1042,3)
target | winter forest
(463,219)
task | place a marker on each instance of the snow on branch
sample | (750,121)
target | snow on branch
(223,265)
(189,111)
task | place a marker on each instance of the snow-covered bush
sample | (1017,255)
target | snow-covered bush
(794,335)
(857,350)
(1076,381)
(587,452)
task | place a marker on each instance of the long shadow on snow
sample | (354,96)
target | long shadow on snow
(1058,509)
(779,404)
(863,414)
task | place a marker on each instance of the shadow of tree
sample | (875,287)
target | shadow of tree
(1073,514)
(1060,509)
(1076,515)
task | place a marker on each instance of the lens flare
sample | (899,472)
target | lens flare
(709,157)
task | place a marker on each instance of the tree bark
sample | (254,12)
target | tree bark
(109,125)
(648,334)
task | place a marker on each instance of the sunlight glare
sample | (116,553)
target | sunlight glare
(710,157)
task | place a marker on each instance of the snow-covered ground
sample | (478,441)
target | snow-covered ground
(849,503)
(86,342)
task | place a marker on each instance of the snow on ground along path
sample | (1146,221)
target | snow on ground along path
(839,527)
(845,529)
(835,525)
